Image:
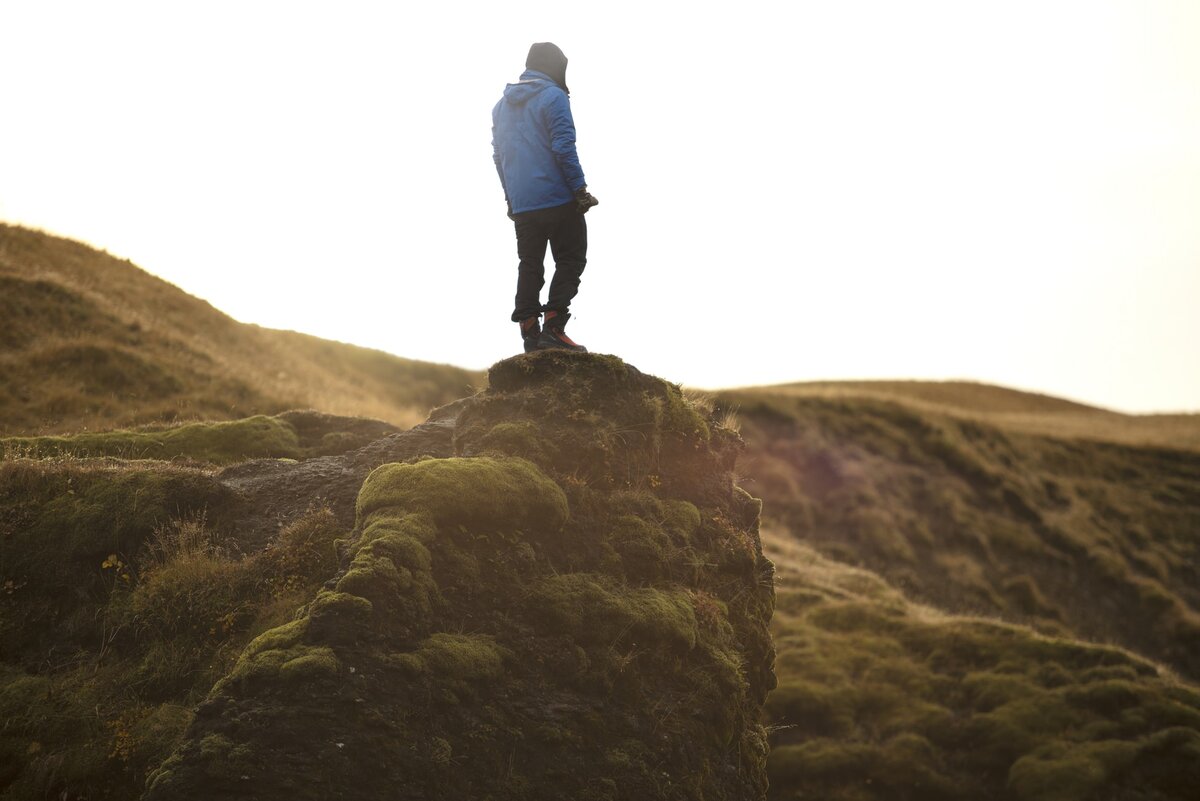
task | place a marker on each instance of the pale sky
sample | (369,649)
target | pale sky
(1001,191)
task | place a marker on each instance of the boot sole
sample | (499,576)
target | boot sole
(556,345)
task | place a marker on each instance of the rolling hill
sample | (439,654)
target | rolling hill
(970,606)
(90,341)
(1010,409)
(977,592)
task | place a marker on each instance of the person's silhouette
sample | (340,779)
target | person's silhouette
(533,144)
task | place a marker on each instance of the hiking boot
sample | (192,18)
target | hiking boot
(555,337)
(531,329)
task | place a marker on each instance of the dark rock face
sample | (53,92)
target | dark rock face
(554,590)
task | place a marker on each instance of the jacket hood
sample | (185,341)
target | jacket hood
(531,83)
(548,59)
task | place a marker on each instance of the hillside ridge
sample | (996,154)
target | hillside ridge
(93,342)
(1004,407)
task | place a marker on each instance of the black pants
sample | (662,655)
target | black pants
(564,228)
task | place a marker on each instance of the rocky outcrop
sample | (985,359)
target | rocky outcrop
(571,603)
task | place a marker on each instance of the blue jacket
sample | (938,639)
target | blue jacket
(533,144)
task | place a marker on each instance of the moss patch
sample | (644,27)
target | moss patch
(291,435)
(511,492)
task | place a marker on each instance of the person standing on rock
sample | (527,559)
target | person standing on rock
(533,145)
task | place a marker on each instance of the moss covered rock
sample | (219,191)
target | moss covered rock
(574,606)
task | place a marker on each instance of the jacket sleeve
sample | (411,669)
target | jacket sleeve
(561,125)
(496,157)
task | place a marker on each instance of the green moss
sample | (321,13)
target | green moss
(219,443)
(339,616)
(403,549)
(267,654)
(224,754)
(535,369)
(303,664)
(521,438)
(856,617)
(680,416)
(375,578)
(594,609)
(475,492)
(641,545)
(279,638)
(1107,697)
(818,708)
(1065,772)
(391,568)
(461,657)
(390,523)
(990,690)
(680,518)
(822,760)
(297,663)
(215,746)
(393,573)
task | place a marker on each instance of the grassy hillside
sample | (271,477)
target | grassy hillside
(1010,409)
(883,699)
(92,342)
(955,587)
(1092,539)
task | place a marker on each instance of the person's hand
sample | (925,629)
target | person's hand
(584,200)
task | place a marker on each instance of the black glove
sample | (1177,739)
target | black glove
(584,200)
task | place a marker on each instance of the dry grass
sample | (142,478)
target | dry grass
(123,597)
(1078,537)
(881,698)
(1010,409)
(93,342)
